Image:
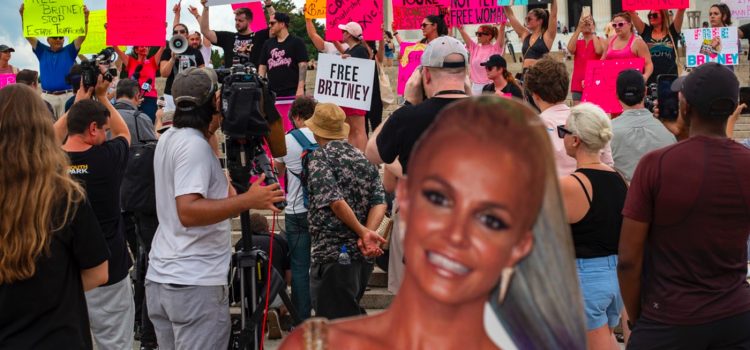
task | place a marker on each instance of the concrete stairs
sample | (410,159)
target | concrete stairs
(742,128)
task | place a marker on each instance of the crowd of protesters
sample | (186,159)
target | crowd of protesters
(496,184)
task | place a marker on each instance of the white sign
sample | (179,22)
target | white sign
(228,2)
(346,82)
(740,8)
(705,45)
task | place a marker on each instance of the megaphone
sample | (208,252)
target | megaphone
(178,44)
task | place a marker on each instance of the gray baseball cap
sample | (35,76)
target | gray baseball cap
(439,49)
(196,85)
(4,48)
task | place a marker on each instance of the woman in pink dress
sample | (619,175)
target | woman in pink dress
(589,47)
(490,41)
(626,44)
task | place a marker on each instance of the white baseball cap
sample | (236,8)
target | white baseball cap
(352,28)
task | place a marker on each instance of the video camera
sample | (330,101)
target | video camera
(90,70)
(249,111)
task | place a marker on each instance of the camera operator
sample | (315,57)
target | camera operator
(636,131)
(190,253)
(99,164)
(172,63)
(245,45)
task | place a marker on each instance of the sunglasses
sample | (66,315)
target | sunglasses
(179,32)
(619,24)
(562,131)
(56,37)
(654,15)
(271,23)
(426,24)
(482,33)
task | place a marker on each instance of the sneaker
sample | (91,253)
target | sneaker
(274,327)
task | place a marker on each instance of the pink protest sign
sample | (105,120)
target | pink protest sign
(368,13)
(136,22)
(411,54)
(600,85)
(476,12)
(408,14)
(259,17)
(630,5)
(7,79)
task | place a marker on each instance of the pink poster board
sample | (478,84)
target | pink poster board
(476,12)
(259,17)
(136,22)
(600,85)
(368,13)
(630,5)
(410,57)
(408,14)
(7,79)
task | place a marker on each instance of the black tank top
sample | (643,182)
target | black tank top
(537,50)
(597,234)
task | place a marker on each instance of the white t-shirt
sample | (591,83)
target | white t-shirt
(206,52)
(183,164)
(330,48)
(293,162)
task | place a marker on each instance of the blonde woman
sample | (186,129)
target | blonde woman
(489,262)
(51,246)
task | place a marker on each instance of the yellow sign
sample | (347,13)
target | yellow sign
(315,9)
(53,18)
(96,39)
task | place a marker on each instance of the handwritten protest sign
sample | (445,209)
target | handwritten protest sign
(53,18)
(7,79)
(631,5)
(345,82)
(705,45)
(227,2)
(368,13)
(475,12)
(600,84)
(411,55)
(408,14)
(259,17)
(740,8)
(136,22)
(96,38)
(315,9)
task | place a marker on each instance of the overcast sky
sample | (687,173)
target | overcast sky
(11,34)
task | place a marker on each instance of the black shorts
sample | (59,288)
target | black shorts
(727,333)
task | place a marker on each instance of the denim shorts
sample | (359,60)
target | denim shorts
(601,291)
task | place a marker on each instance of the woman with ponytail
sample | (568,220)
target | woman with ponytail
(502,82)
(489,258)
(537,35)
(51,246)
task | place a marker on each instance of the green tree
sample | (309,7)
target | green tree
(297,24)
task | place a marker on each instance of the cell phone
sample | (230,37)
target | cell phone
(745,98)
(669,103)
(586,11)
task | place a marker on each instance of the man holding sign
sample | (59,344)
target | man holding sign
(55,61)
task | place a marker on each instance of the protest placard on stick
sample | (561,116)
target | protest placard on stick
(408,14)
(600,84)
(53,18)
(632,5)
(476,12)
(7,79)
(740,8)
(703,45)
(96,38)
(411,56)
(315,9)
(346,82)
(368,13)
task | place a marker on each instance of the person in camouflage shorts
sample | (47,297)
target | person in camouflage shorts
(347,204)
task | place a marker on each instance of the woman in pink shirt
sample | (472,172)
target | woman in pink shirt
(590,47)
(481,50)
(626,44)
(143,69)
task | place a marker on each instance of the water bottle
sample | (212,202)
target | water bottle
(344,258)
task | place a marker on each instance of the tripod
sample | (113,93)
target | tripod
(247,261)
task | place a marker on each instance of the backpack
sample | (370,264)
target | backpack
(137,192)
(307,150)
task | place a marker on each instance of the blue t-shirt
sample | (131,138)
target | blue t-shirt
(54,66)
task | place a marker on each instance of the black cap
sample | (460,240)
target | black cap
(4,48)
(631,88)
(495,61)
(707,86)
